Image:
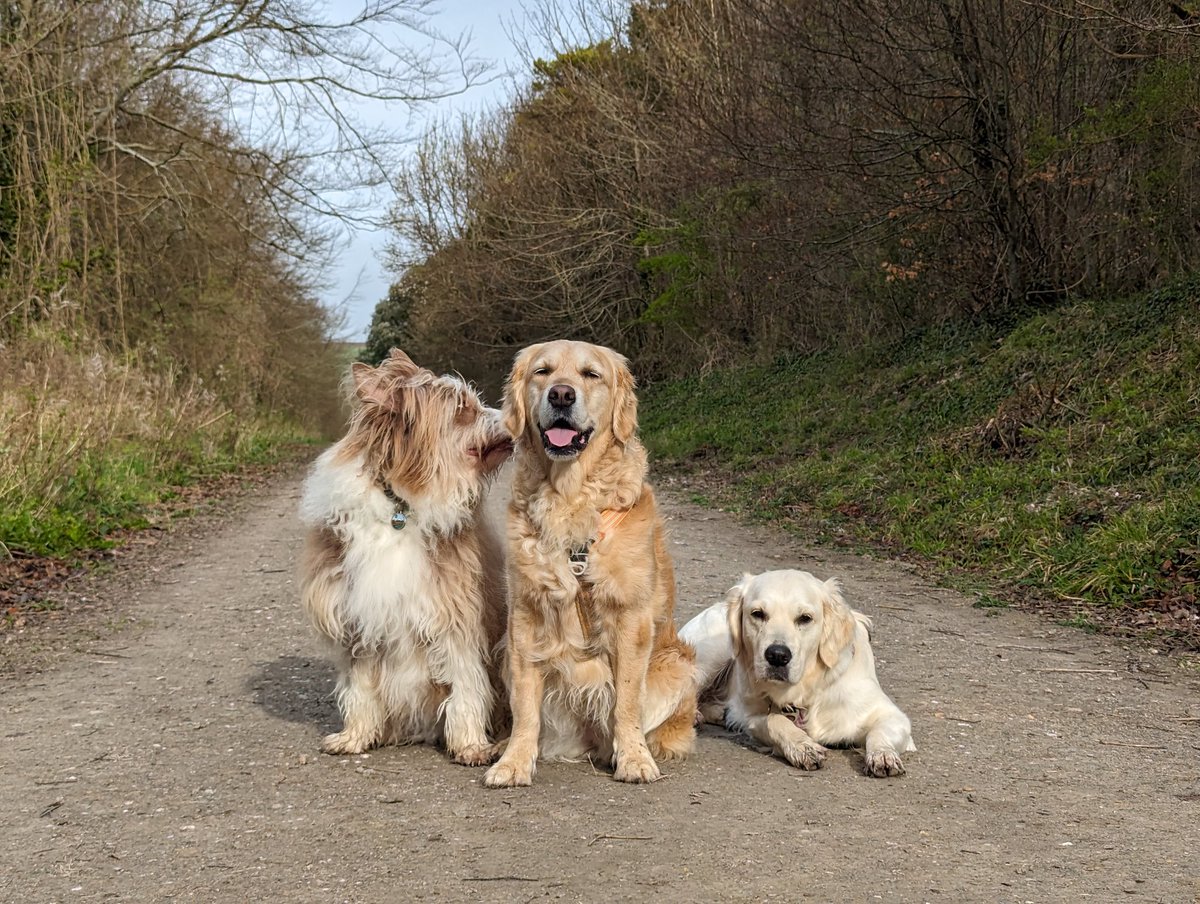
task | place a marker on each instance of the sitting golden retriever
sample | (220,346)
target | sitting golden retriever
(787,661)
(594,662)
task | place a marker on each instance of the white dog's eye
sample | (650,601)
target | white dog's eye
(757,614)
(804,619)
(591,374)
(541,372)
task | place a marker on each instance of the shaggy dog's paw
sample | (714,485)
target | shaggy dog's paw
(475,755)
(883,763)
(346,742)
(804,754)
(636,767)
(507,774)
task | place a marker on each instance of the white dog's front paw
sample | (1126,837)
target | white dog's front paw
(805,754)
(509,773)
(636,767)
(883,763)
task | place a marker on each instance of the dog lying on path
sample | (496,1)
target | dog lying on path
(785,660)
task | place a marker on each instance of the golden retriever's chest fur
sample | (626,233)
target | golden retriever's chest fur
(576,613)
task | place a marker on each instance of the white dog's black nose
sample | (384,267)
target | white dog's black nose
(561,396)
(777,655)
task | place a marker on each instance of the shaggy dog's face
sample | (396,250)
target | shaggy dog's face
(782,621)
(567,395)
(425,434)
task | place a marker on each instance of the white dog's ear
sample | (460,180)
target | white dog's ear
(734,601)
(513,408)
(837,624)
(625,420)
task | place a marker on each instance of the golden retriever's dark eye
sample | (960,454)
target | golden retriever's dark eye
(757,614)
(590,374)
(541,372)
(804,619)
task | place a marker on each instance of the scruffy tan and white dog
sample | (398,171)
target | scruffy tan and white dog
(402,574)
(594,663)
(785,660)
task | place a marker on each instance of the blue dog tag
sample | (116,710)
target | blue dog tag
(399,519)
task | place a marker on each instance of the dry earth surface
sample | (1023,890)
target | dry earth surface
(165,748)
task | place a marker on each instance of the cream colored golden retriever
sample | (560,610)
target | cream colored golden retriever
(787,661)
(594,662)
(402,574)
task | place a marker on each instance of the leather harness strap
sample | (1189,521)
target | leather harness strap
(610,520)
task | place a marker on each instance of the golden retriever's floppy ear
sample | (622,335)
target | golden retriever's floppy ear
(837,624)
(513,407)
(625,419)
(734,600)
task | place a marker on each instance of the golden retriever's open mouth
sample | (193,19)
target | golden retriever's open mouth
(561,440)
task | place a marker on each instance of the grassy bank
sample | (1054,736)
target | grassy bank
(90,445)
(1056,456)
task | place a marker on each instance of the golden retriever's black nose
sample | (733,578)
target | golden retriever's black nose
(777,655)
(561,396)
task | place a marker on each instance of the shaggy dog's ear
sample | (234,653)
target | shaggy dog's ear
(837,624)
(735,599)
(370,385)
(625,420)
(513,407)
(375,385)
(400,364)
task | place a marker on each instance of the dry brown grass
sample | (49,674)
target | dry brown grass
(85,439)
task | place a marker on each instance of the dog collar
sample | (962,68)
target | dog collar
(609,520)
(400,510)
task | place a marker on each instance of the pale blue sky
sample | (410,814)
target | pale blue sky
(358,279)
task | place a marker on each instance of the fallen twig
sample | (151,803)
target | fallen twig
(1017,646)
(101,653)
(1139,746)
(501,879)
(619,838)
(1080,671)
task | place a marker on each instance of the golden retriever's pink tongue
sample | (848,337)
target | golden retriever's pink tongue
(560,436)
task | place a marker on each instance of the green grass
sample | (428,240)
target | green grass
(1059,452)
(113,488)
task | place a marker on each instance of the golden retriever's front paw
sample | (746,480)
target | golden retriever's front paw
(883,763)
(637,767)
(509,774)
(346,742)
(807,755)
(475,755)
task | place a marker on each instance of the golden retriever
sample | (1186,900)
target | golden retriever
(787,661)
(402,575)
(594,665)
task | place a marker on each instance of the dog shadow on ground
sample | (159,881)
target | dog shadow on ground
(297,689)
(852,755)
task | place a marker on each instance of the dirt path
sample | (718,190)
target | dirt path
(178,761)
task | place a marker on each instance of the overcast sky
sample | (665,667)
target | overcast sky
(358,280)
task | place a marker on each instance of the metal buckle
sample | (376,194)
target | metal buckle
(579,561)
